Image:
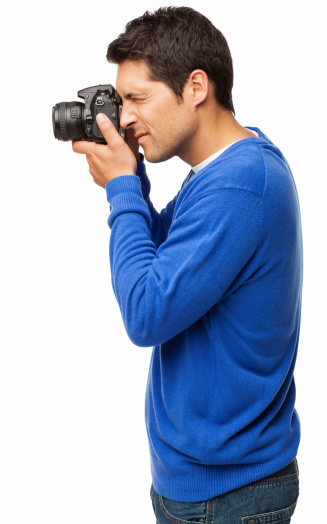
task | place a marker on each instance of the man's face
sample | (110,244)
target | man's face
(162,126)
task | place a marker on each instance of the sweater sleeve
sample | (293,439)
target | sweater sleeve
(163,291)
(160,222)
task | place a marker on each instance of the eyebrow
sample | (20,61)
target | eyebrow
(131,95)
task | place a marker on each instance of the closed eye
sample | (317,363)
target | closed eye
(140,99)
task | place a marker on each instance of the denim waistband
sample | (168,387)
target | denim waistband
(292,467)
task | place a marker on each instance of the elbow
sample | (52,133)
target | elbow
(141,340)
(144,321)
(143,334)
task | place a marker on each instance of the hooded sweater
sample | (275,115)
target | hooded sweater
(213,283)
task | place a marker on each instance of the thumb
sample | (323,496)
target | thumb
(107,128)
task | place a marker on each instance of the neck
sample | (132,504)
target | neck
(215,129)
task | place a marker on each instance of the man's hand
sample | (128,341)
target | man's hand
(108,161)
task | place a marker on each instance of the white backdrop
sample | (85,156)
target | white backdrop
(73,445)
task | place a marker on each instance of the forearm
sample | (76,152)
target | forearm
(152,284)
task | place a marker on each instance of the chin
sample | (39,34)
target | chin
(156,157)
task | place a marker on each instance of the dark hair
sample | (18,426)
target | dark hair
(173,42)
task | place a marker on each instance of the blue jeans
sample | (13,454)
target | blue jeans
(269,500)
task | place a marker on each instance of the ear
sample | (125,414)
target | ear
(198,84)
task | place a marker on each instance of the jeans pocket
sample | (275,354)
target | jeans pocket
(281,516)
(184,512)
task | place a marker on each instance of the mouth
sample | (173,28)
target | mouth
(141,137)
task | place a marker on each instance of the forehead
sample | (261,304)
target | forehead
(133,77)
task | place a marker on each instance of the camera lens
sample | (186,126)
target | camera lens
(68,121)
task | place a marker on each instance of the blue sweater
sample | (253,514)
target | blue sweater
(213,282)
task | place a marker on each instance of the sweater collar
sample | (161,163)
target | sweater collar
(207,161)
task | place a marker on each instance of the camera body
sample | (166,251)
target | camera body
(77,120)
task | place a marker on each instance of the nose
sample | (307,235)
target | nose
(128,117)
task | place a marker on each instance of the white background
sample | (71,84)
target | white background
(73,445)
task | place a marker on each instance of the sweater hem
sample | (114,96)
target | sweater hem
(199,482)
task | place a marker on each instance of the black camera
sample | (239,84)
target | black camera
(77,121)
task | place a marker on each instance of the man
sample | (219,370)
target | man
(213,281)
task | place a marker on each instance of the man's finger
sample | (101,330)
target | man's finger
(107,128)
(82,146)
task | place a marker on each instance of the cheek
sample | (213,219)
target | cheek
(180,124)
(156,119)
(169,122)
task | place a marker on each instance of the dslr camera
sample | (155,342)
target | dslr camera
(77,121)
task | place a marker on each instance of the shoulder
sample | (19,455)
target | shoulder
(246,166)
(240,167)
